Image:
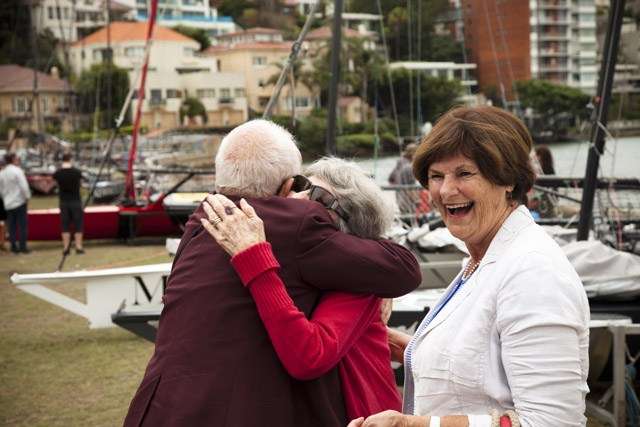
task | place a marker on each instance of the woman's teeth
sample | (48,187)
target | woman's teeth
(459,208)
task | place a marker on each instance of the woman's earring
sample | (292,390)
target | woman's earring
(509,195)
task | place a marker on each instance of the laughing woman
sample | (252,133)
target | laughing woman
(507,344)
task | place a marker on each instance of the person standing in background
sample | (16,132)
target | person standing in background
(3,214)
(68,179)
(15,193)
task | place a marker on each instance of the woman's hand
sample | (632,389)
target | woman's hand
(234,229)
(389,419)
(386,307)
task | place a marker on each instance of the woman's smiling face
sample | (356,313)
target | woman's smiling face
(472,207)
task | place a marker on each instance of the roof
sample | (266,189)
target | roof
(286,46)
(14,78)
(324,33)
(254,30)
(132,31)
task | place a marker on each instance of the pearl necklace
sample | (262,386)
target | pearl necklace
(470,268)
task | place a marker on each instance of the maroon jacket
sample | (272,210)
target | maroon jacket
(214,364)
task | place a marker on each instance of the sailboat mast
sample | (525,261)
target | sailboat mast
(599,116)
(335,78)
(129,184)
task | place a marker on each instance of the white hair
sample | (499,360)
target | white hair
(370,216)
(255,158)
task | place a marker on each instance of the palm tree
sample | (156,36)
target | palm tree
(305,77)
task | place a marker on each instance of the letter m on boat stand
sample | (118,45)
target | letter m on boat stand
(145,290)
(107,291)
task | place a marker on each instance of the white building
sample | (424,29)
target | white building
(175,72)
(70,20)
(563,42)
(188,13)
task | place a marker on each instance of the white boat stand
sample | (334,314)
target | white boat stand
(619,327)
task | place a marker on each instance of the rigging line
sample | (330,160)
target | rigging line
(412,127)
(419,72)
(506,50)
(495,54)
(465,73)
(393,96)
(293,55)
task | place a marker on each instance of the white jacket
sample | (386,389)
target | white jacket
(14,188)
(514,336)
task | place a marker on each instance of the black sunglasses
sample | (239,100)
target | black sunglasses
(328,200)
(318,194)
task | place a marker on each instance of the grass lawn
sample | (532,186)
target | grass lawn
(54,370)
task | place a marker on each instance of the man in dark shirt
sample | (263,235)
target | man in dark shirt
(68,178)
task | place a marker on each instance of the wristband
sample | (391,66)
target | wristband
(434,421)
(480,420)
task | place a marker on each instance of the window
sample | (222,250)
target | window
(189,14)
(239,92)
(156,96)
(302,101)
(66,13)
(225,95)
(44,104)
(206,93)
(20,105)
(51,16)
(174,93)
(189,51)
(134,51)
(97,54)
(259,60)
(263,101)
(58,13)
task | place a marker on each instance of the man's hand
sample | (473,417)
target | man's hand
(234,229)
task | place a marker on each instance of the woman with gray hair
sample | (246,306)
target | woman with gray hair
(346,330)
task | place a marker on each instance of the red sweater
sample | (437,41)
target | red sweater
(345,329)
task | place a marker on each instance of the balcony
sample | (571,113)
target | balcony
(553,36)
(225,101)
(552,4)
(157,102)
(549,53)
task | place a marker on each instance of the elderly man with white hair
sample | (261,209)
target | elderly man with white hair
(214,363)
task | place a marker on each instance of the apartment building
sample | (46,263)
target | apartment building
(175,71)
(71,20)
(32,107)
(258,54)
(512,40)
(563,42)
(188,13)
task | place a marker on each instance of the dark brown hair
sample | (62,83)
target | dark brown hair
(496,140)
(545,158)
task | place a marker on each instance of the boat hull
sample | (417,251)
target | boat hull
(106,222)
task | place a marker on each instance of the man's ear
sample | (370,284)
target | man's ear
(285,188)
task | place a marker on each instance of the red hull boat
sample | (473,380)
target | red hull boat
(107,222)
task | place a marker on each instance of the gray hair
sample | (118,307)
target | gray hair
(369,215)
(255,158)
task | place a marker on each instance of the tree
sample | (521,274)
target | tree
(16,40)
(437,95)
(192,107)
(297,74)
(555,104)
(91,88)
(198,34)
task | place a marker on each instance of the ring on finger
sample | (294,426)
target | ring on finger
(215,221)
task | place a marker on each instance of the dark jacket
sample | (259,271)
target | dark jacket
(214,364)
